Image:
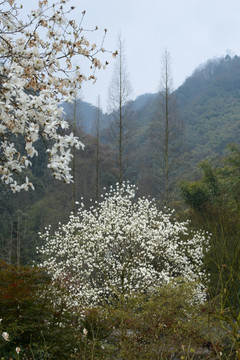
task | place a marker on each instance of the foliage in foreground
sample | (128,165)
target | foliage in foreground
(29,317)
(165,325)
(140,327)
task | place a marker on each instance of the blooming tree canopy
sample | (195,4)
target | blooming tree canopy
(39,67)
(122,246)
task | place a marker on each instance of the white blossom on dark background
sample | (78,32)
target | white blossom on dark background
(40,66)
(121,247)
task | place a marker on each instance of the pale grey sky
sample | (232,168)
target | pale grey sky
(192,30)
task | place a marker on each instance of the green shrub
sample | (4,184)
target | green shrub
(31,316)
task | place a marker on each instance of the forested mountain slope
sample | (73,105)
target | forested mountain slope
(209,103)
(208,106)
(86,115)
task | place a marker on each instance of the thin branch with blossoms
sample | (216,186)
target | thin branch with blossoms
(38,70)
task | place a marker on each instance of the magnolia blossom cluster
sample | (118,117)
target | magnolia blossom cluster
(37,71)
(122,246)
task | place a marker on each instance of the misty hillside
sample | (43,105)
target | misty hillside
(208,104)
(86,115)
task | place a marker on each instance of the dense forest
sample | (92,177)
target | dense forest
(125,244)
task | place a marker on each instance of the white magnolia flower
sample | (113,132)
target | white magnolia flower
(5,335)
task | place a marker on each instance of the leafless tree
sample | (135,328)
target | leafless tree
(167,134)
(120,107)
(97,148)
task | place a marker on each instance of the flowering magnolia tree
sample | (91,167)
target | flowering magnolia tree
(37,70)
(121,247)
